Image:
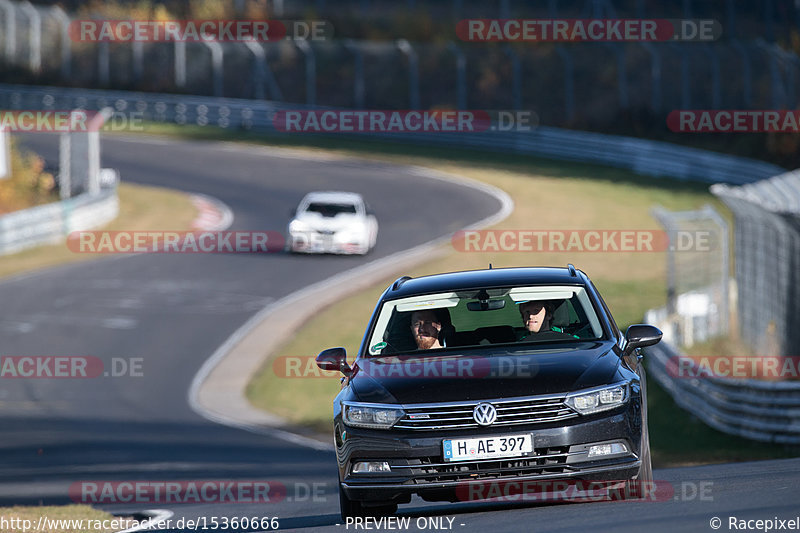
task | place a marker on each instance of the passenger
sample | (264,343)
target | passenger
(537,316)
(426,327)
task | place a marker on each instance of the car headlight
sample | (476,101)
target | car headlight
(598,399)
(371,415)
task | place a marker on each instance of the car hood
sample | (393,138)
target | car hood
(447,377)
(340,222)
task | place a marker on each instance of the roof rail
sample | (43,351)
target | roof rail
(399,282)
(571,269)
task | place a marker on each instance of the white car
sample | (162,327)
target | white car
(332,222)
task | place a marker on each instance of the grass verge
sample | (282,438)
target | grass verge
(60,519)
(141,208)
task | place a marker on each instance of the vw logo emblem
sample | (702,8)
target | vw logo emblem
(484,414)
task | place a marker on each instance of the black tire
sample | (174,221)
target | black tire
(353,508)
(642,486)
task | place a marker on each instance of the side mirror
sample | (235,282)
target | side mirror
(334,359)
(640,335)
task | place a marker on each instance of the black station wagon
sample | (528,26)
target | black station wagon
(513,376)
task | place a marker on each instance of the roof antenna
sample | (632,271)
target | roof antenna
(490,266)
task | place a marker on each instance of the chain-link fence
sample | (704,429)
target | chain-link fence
(698,279)
(767,257)
(571,84)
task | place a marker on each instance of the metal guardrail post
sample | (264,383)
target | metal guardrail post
(777,90)
(259,68)
(516,78)
(791,67)
(64,166)
(769,23)
(505,9)
(34,35)
(180,63)
(747,72)
(10,15)
(461,75)
(66,41)
(359,88)
(730,26)
(458,7)
(664,218)
(103,63)
(686,93)
(569,83)
(217,58)
(311,71)
(655,76)
(413,72)
(137,57)
(622,83)
(716,85)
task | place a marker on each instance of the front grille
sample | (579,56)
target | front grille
(544,461)
(509,413)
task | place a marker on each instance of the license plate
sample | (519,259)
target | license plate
(487,447)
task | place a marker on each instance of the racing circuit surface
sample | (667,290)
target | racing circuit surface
(173,311)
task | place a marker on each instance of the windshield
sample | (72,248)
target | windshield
(330,209)
(520,315)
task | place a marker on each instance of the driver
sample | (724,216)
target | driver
(426,327)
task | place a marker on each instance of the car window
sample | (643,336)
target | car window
(487,317)
(330,209)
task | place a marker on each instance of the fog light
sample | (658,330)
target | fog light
(368,467)
(607,449)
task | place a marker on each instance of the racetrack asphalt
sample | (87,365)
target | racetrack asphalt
(174,311)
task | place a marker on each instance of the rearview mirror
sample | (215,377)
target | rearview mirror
(334,359)
(641,335)
(486,305)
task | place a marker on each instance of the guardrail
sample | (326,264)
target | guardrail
(767,411)
(50,223)
(652,158)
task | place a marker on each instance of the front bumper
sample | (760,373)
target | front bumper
(417,465)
